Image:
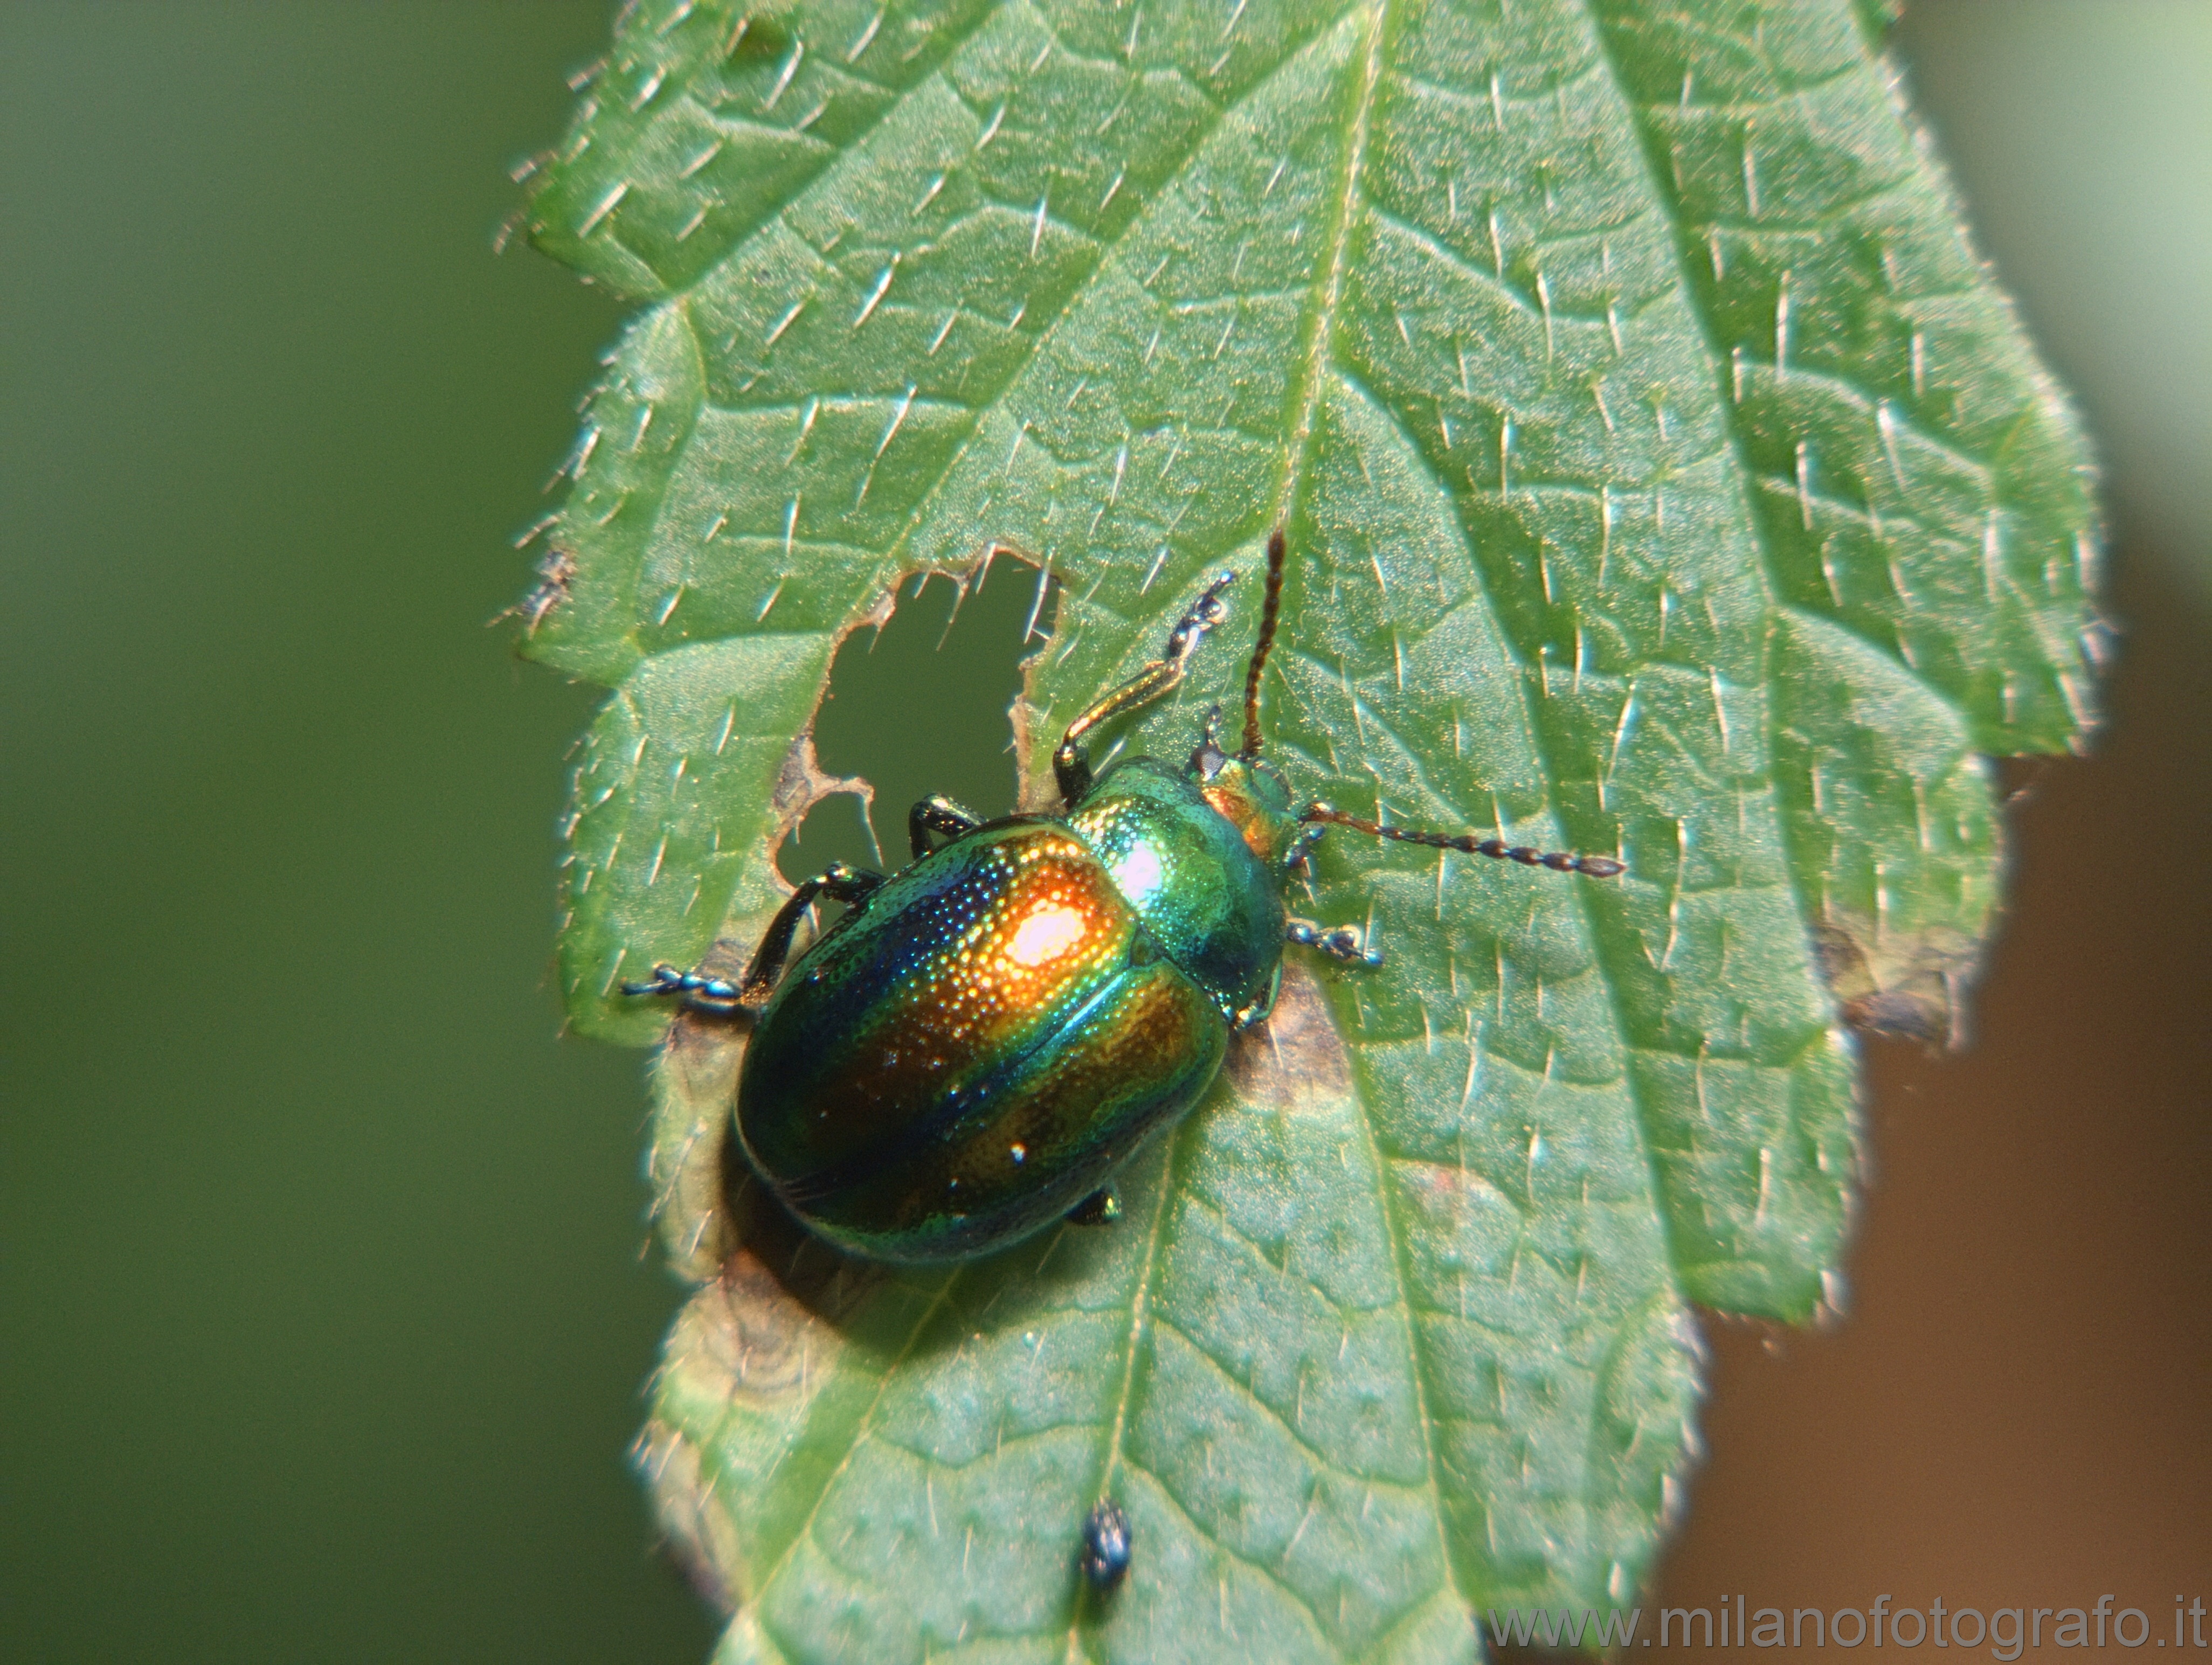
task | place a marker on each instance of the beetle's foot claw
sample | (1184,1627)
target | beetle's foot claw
(1101,1207)
(1345,943)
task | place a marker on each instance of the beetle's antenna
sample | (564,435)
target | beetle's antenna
(1269,608)
(1597,867)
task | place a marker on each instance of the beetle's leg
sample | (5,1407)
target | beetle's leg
(1071,763)
(1101,1207)
(839,883)
(938,815)
(1294,858)
(717,996)
(1345,942)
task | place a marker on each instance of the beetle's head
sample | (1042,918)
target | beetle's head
(1251,796)
(1247,793)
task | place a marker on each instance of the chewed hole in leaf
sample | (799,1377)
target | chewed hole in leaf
(919,708)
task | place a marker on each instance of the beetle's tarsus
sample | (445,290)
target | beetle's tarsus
(1205,613)
(713,997)
(938,815)
(1346,943)
(1301,847)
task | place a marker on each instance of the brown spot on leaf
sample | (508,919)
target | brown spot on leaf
(1297,1054)
(1893,985)
(751,1343)
(695,1085)
(699,1538)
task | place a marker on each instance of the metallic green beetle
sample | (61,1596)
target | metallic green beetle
(969,1052)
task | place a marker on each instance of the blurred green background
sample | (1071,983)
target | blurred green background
(325,1293)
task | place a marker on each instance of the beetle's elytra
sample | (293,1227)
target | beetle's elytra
(972,1049)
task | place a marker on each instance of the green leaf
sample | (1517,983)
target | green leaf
(1664,478)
